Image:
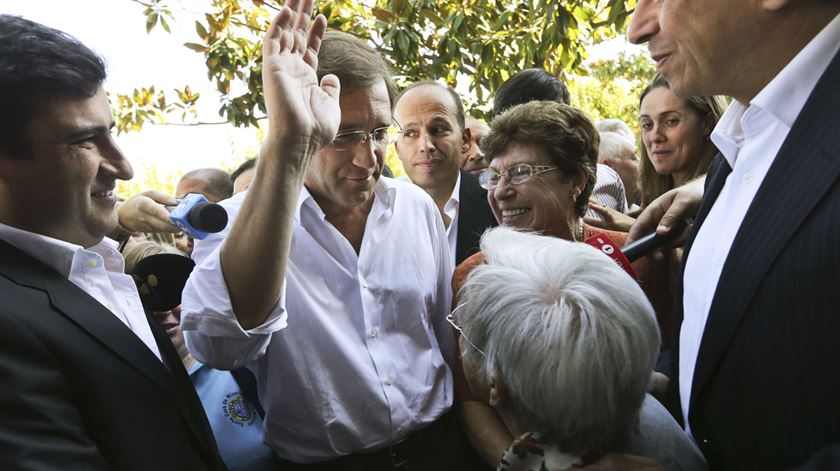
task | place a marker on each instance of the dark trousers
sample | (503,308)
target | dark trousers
(441,446)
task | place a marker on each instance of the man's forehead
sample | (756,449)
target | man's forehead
(426,100)
(364,106)
(75,112)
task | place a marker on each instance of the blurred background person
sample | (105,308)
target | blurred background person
(566,342)
(473,159)
(617,126)
(676,147)
(242,176)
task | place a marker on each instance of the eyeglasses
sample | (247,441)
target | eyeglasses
(380,137)
(490,178)
(451,319)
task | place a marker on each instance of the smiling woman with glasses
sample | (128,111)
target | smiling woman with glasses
(542,166)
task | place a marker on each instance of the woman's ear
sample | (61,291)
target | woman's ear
(498,391)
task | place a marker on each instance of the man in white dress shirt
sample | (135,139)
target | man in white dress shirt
(756,370)
(331,282)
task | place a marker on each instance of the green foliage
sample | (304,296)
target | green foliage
(479,43)
(611,89)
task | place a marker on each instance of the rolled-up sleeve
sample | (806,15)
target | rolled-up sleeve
(212,332)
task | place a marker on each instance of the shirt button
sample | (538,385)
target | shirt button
(389,381)
(748,177)
(373,332)
(110,307)
(364,284)
(91,263)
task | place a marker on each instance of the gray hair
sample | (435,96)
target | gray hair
(612,145)
(570,335)
(617,126)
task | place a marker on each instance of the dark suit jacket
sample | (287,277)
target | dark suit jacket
(474,216)
(766,388)
(81,391)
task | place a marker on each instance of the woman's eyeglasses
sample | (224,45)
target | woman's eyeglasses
(490,178)
(451,319)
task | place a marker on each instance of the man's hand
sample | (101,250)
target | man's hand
(145,212)
(301,112)
(610,218)
(663,213)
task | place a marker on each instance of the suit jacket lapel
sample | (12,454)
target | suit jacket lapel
(806,167)
(70,301)
(191,410)
(471,216)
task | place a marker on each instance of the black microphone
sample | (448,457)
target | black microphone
(635,250)
(647,244)
(197,217)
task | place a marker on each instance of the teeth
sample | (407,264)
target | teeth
(514,212)
(103,193)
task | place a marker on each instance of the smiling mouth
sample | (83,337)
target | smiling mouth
(660,59)
(508,213)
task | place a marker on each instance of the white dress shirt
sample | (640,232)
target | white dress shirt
(452,209)
(749,137)
(98,271)
(365,357)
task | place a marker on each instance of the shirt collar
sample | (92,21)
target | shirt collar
(59,254)
(454,199)
(384,191)
(783,98)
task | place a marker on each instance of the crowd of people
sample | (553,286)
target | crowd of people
(458,318)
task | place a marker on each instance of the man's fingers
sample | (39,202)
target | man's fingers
(316,36)
(161,198)
(272,42)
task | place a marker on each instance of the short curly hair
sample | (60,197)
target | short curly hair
(566,135)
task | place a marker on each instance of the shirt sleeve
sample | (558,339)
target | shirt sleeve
(211,330)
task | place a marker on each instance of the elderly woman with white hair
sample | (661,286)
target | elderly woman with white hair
(566,342)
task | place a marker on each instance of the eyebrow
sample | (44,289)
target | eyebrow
(88,131)
(662,114)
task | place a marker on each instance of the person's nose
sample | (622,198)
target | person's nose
(364,155)
(503,190)
(426,145)
(645,22)
(476,154)
(116,163)
(657,135)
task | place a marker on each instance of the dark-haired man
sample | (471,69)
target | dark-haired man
(89,381)
(434,136)
(756,363)
(358,264)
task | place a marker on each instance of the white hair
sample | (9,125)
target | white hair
(617,126)
(571,336)
(612,145)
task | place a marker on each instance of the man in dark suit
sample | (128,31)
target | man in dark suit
(434,136)
(89,382)
(756,367)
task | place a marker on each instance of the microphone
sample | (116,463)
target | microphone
(160,279)
(635,250)
(197,217)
